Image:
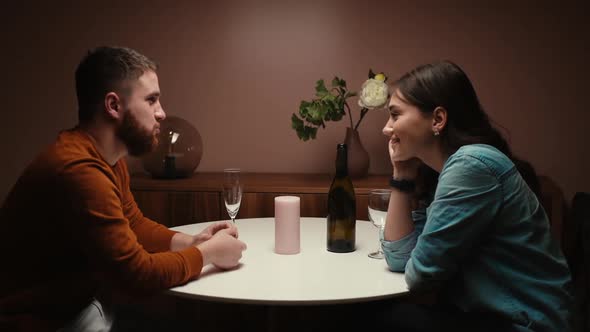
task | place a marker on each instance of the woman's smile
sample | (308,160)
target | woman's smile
(394,142)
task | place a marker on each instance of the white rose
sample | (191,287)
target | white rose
(374,93)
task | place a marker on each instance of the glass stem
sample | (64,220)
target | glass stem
(381,230)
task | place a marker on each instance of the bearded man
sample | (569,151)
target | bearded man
(71,230)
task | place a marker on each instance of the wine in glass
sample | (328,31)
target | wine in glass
(378,203)
(232,191)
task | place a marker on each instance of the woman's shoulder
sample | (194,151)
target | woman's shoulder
(480,150)
(479,157)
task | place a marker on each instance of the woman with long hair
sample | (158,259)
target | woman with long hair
(480,238)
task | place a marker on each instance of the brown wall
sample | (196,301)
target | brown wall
(238,69)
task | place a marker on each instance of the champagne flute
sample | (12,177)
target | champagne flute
(378,204)
(232,192)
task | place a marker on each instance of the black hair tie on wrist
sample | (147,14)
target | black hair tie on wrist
(405,186)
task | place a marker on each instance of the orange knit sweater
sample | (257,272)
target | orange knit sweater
(69,229)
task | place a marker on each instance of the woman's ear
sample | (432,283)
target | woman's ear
(112,105)
(439,119)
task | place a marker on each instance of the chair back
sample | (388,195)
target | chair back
(553,201)
(579,260)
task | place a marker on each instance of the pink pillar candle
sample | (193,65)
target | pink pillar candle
(287,225)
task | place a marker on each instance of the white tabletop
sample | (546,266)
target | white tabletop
(314,276)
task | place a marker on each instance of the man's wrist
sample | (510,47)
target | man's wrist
(205,253)
(181,241)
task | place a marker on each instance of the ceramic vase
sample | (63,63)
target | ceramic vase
(358,157)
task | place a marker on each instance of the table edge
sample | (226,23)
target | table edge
(217,299)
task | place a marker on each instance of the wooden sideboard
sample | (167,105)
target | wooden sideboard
(199,199)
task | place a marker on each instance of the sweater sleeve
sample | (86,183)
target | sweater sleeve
(103,233)
(154,237)
(467,198)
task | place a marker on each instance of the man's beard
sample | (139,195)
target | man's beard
(139,141)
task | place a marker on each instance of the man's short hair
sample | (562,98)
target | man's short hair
(103,70)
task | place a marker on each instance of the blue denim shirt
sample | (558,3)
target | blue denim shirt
(485,241)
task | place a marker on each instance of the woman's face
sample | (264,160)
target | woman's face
(409,130)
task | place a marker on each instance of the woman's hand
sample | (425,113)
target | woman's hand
(403,169)
(406,169)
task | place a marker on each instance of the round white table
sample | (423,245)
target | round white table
(314,276)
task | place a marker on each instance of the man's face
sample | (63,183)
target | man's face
(142,113)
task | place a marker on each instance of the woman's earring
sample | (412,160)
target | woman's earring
(436,133)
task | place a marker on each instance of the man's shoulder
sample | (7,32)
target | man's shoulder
(71,153)
(67,149)
(73,143)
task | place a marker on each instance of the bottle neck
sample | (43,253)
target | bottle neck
(341,163)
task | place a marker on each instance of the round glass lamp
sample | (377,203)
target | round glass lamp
(179,150)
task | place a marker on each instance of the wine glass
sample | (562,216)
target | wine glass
(232,192)
(378,203)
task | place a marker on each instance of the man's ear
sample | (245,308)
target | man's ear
(439,119)
(112,105)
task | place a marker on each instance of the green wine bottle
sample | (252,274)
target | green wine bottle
(341,207)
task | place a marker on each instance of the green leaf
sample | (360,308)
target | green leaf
(337,111)
(371,73)
(320,88)
(313,112)
(301,134)
(350,94)
(329,97)
(306,133)
(335,82)
(299,127)
(328,107)
(296,123)
(310,132)
(340,105)
(303,108)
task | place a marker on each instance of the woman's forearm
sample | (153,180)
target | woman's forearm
(399,216)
